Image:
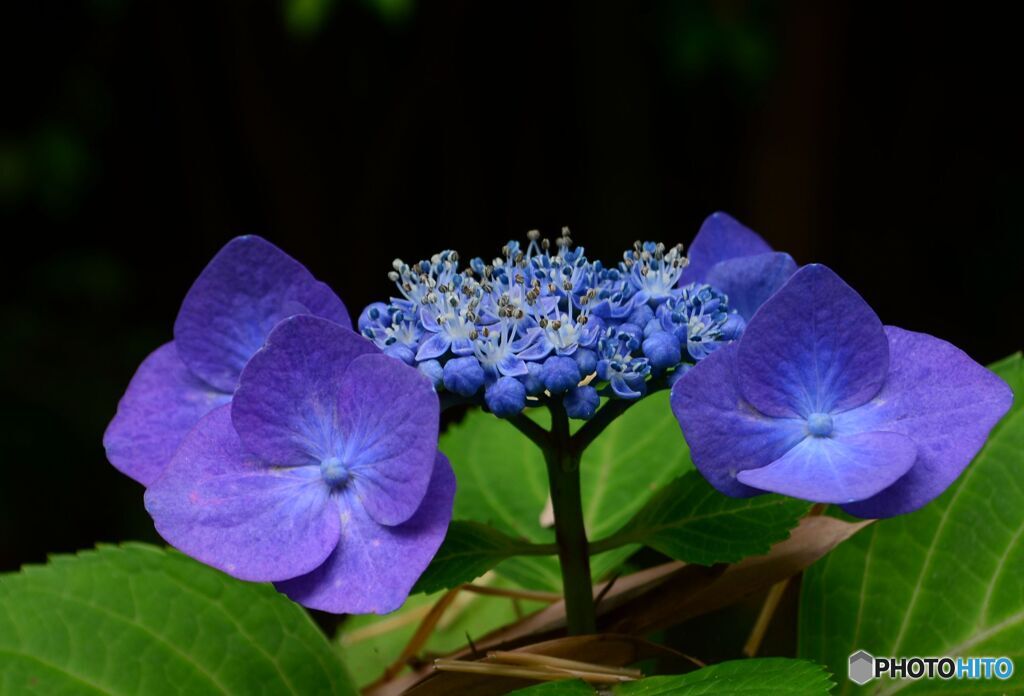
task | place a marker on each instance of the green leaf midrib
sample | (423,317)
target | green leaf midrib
(120,619)
(253,642)
(1014,420)
(63,671)
(977,638)
(941,580)
(183,656)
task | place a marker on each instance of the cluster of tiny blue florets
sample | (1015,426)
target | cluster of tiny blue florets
(545,320)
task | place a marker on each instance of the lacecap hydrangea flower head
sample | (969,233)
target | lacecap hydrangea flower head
(543,319)
(279,445)
(818,400)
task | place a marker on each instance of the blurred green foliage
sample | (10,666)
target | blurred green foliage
(50,167)
(307,17)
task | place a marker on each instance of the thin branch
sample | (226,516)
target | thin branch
(612,541)
(605,590)
(536,673)
(771,603)
(421,635)
(530,549)
(449,399)
(538,435)
(511,593)
(536,660)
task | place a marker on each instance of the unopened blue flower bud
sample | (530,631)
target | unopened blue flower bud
(733,327)
(641,315)
(560,373)
(581,402)
(678,373)
(662,350)
(506,397)
(434,372)
(463,376)
(402,352)
(532,381)
(586,359)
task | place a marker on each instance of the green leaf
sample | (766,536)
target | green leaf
(138,619)
(945,580)
(370,643)
(469,550)
(769,676)
(503,480)
(690,521)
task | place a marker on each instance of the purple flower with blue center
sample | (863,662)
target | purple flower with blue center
(818,400)
(322,475)
(736,261)
(246,290)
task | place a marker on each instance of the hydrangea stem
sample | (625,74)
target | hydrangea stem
(563,463)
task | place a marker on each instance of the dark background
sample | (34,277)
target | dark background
(884,140)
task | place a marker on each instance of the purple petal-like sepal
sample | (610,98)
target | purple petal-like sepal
(219,504)
(721,237)
(375,566)
(248,287)
(940,398)
(162,403)
(814,346)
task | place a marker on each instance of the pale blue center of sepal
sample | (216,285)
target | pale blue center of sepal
(336,474)
(819,424)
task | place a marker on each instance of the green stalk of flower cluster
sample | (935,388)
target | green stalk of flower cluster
(563,453)
(570,534)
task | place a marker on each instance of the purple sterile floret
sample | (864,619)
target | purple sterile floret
(328,451)
(819,401)
(737,261)
(247,288)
